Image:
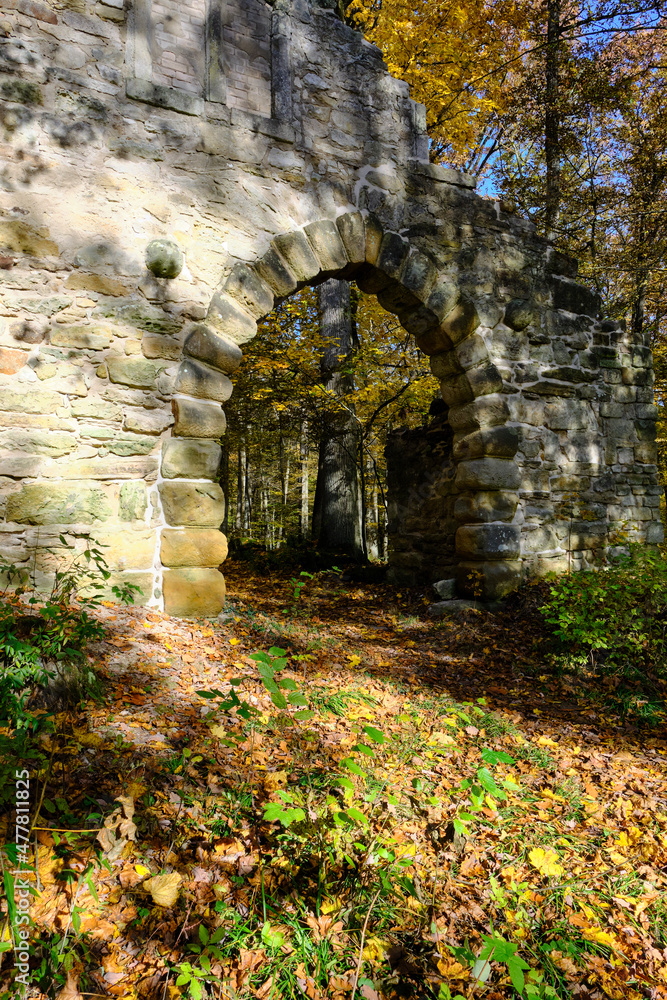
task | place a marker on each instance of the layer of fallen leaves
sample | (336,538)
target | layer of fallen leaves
(171,883)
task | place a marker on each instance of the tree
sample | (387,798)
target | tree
(336,511)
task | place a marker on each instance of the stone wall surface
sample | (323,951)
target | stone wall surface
(154,207)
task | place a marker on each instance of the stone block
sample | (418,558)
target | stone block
(352,232)
(646,453)
(637,376)
(142,421)
(154,345)
(102,284)
(461,321)
(431,339)
(487,474)
(131,444)
(519,314)
(443,299)
(58,503)
(570,415)
(91,338)
(567,373)
(192,547)
(139,373)
(527,411)
(499,442)
(253,294)
(195,379)
(203,343)
(133,502)
(445,365)
(488,541)
(277,274)
(198,418)
(190,459)
(17,236)
(193,504)
(374,234)
(326,241)
(484,507)
(586,535)
(655,533)
(487,411)
(193,593)
(485,379)
(96,409)
(456,391)
(126,549)
(488,581)
(642,357)
(573,297)
(230,319)
(418,275)
(12,361)
(539,538)
(297,252)
(393,252)
(554,389)
(471,352)
(445,589)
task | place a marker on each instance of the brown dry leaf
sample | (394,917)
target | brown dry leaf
(70,990)
(306,983)
(265,989)
(275,780)
(323,927)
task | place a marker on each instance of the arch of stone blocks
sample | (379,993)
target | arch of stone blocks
(444,322)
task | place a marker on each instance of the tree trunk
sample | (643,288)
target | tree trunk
(337,494)
(240,487)
(303,456)
(224,485)
(552,151)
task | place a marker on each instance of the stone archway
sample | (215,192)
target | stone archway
(444,323)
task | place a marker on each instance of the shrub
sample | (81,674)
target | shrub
(613,621)
(42,640)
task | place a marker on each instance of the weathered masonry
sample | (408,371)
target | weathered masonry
(270,149)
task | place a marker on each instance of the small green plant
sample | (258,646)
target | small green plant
(297,585)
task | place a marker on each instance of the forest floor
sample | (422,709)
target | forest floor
(382,805)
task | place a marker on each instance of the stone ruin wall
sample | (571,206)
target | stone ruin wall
(112,380)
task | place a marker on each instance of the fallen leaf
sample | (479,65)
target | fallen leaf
(546,862)
(164,888)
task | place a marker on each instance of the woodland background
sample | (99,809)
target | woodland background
(558,109)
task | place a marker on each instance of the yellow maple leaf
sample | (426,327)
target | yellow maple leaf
(546,862)
(600,937)
(441,739)
(375,950)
